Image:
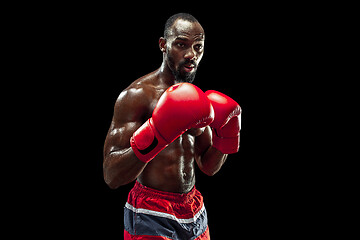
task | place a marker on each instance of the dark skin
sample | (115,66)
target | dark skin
(172,170)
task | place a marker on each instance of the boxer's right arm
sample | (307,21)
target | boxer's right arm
(120,165)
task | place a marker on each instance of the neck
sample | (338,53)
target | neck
(166,75)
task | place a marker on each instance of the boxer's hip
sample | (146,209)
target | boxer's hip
(165,215)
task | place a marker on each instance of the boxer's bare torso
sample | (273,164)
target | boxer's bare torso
(172,170)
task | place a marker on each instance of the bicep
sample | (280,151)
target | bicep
(118,138)
(129,112)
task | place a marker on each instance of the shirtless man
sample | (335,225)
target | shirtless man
(162,126)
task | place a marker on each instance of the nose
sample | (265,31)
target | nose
(190,54)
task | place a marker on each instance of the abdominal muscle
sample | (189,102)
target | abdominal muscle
(172,170)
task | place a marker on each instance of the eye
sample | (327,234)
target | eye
(181,45)
(198,47)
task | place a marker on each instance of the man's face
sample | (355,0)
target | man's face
(185,48)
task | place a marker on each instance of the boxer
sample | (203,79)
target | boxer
(162,126)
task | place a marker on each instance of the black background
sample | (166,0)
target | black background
(81,57)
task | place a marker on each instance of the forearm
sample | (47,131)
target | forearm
(212,161)
(121,167)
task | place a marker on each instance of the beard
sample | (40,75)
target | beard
(182,76)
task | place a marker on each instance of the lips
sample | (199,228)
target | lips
(189,68)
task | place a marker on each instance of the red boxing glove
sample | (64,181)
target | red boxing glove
(181,107)
(227,123)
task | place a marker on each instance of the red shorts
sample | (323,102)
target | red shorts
(152,214)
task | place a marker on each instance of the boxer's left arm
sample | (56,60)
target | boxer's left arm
(224,138)
(208,158)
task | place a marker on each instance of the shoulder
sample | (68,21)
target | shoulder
(135,101)
(138,93)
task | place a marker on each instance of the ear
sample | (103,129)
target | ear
(162,44)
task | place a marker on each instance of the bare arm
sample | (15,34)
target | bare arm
(120,165)
(208,158)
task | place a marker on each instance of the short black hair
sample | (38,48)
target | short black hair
(173,18)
